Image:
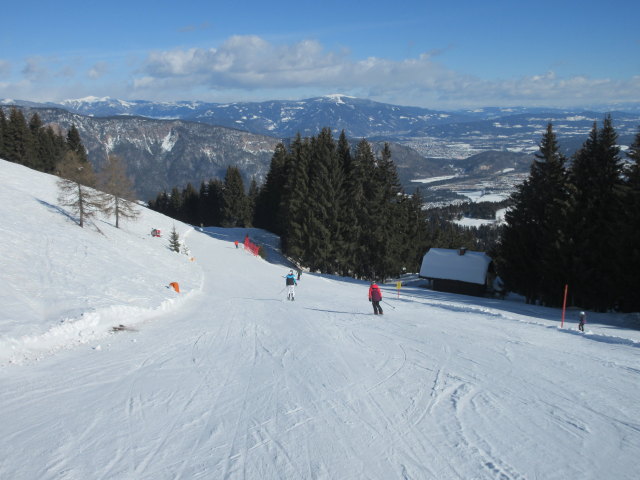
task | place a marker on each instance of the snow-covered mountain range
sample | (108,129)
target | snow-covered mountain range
(434,133)
(426,143)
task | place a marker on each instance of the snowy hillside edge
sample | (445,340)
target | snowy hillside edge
(64,285)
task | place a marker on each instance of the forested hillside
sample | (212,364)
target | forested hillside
(577,225)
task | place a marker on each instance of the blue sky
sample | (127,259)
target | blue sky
(454,54)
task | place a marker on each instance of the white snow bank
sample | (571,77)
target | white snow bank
(63,284)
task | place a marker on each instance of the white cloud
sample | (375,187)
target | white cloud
(252,68)
(98,70)
(35,68)
(250,62)
(5,68)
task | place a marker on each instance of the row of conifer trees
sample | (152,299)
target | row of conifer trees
(334,212)
(337,208)
(35,145)
(576,222)
(341,212)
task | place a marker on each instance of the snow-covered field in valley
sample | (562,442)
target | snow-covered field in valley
(228,380)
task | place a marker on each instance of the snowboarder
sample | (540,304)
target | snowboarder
(236,243)
(583,320)
(290,280)
(375,296)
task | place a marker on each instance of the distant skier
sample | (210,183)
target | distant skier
(291,284)
(583,320)
(375,296)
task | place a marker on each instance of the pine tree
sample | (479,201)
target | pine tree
(18,139)
(252,197)
(160,203)
(189,205)
(31,144)
(3,134)
(368,212)
(390,240)
(532,260)
(412,231)
(215,202)
(74,144)
(234,211)
(629,233)
(325,192)
(120,198)
(76,188)
(174,209)
(50,149)
(36,160)
(174,240)
(553,207)
(267,213)
(294,200)
(350,202)
(596,177)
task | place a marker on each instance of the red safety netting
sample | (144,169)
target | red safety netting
(250,246)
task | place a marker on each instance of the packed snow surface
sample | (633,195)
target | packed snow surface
(228,380)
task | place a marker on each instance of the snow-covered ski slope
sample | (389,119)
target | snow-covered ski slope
(228,380)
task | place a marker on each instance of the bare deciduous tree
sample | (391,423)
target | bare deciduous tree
(76,188)
(120,199)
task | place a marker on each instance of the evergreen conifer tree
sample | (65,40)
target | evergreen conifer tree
(294,201)
(532,257)
(318,254)
(215,201)
(50,149)
(160,203)
(234,211)
(596,177)
(74,144)
(368,213)
(553,205)
(390,239)
(351,202)
(252,197)
(629,233)
(18,139)
(190,204)
(36,160)
(174,209)
(411,231)
(325,194)
(174,240)
(3,134)
(267,208)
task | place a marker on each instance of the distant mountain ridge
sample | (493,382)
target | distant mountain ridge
(206,137)
(161,154)
(450,135)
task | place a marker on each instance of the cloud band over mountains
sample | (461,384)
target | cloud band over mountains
(250,67)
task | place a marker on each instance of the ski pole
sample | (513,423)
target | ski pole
(387,303)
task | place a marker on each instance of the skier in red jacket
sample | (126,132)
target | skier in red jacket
(375,295)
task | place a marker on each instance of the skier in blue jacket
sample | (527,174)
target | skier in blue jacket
(290,280)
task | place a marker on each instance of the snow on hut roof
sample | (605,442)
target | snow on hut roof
(448,264)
